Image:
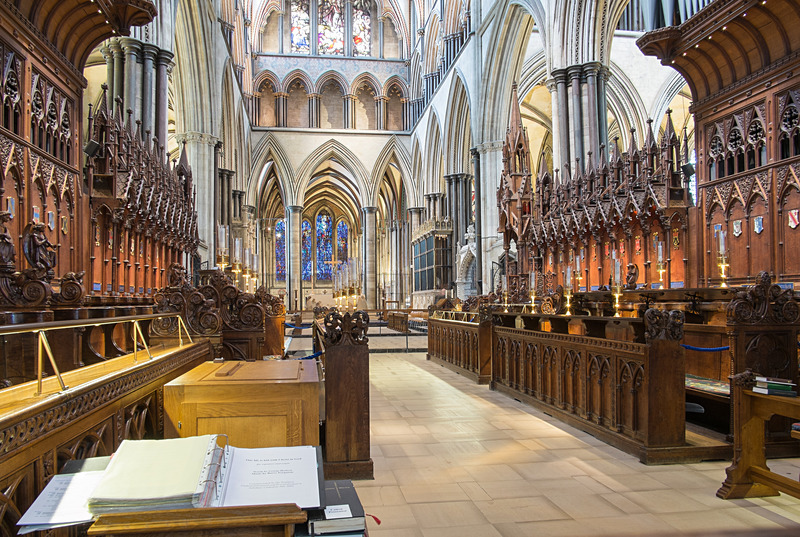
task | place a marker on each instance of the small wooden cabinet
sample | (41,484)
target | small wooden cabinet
(256,404)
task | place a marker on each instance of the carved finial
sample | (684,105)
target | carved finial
(663,324)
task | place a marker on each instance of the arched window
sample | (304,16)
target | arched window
(324,246)
(362,25)
(341,241)
(331,27)
(305,250)
(280,251)
(301,27)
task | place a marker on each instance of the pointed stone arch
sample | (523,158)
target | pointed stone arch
(342,154)
(270,154)
(394,150)
(458,128)
(434,157)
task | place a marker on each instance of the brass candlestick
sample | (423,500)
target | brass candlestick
(617,294)
(568,296)
(722,262)
(661,268)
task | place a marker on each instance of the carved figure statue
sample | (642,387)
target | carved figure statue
(39,251)
(8,252)
(632,276)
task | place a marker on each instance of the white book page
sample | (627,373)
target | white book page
(265,476)
(63,500)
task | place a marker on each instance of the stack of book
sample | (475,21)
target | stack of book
(342,516)
(775,386)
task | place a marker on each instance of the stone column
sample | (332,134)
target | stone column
(574,73)
(163,61)
(349,111)
(294,215)
(369,267)
(132,50)
(281,100)
(313,110)
(416,217)
(591,117)
(602,105)
(281,26)
(381,22)
(348,27)
(108,56)
(380,112)
(552,86)
(119,70)
(200,150)
(313,24)
(562,108)
(149,54)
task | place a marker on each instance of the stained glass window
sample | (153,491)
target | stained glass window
(280,251)
(301,27)
(324,246)
(331,27)
(341,241)
(305,250)
(362,23)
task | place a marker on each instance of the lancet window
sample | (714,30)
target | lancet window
(324,246)
(342,233)
(333,32)
(305,250)
(280,250)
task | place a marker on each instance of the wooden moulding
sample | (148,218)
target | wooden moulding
(261,520)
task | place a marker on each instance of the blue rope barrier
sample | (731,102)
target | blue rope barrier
(704,349)
(310,356)
(301,327)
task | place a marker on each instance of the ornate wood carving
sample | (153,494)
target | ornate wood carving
(346,329)
(661,324)
(763,304)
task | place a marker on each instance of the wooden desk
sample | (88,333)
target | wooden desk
(257,404)
(255,520)
(748,475)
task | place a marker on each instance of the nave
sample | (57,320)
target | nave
(453,458)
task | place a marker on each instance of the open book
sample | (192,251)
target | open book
(149,475)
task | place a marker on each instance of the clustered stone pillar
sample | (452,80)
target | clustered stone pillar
(579,114)
(163,63)
(313,110)
(293,276)
(138,73)
(369,247)
(349,111)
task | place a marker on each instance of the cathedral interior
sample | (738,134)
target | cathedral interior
(589,205)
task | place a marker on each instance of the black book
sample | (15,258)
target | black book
(340,496)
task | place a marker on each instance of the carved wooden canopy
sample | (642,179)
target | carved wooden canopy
(75,27)
(728,42)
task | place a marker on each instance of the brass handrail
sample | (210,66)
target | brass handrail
(40,330)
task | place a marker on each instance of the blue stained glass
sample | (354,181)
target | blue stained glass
(280,251)
(324,246)
(305,250)
(301,27)
(341,241)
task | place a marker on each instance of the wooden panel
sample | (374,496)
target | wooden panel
(257,404)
